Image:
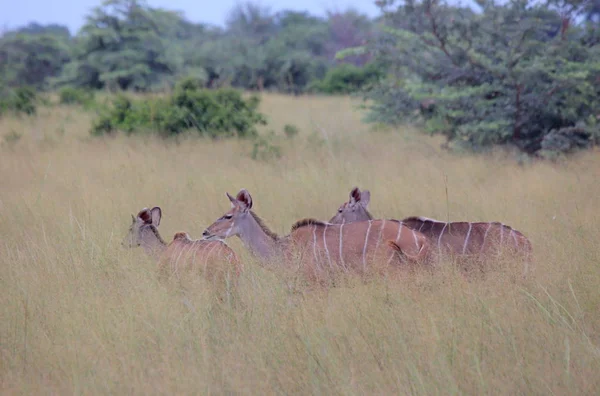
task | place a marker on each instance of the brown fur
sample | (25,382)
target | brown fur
(367,247)
(323,248)
(307,222)
(461,239)
(211,259)
(182,236)
(484,238)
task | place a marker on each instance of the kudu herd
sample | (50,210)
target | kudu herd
(351,242)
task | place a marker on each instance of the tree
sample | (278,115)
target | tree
(125,45)
(519,74)
(31,59)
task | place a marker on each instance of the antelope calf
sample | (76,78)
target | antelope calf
(213,259)
(324,248)
(461,239)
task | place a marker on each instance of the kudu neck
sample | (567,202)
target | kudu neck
(151,241)
(261,241)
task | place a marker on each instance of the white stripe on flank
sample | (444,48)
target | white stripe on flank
(399,231)
(467,238)
(341,244)
(176,269)
(415,238)
(512,232)
(501,233)
(429,219)
(325,244)
(422,225)
(440,237)
(365,247)
(400,226)
(379,237)
(208,255)
(315,244)
(485,236)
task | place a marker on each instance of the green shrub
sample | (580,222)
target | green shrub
(347,78)
(290,131)
(22,100)
(214,113)
(76,96)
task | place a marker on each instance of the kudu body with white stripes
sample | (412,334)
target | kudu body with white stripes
(323,248)
(212,259)
(460,239)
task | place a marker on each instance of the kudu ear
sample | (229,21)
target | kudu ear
(232,200)
(355,195)
(244,200)
(145,215)
(365,198)
(156,214)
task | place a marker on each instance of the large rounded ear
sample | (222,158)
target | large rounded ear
(365,198)
(156,215)
(355,195)
(145,215)
(244,199)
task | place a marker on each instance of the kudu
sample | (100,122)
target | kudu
(215,260)
(323,248)
(460,239)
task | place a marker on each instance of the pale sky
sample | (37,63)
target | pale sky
(14,13)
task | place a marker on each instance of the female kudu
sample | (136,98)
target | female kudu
(361,247)
(214,259)
(462,239)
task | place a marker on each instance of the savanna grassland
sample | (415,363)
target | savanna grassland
(80,314)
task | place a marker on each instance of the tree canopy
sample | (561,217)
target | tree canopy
(522,73)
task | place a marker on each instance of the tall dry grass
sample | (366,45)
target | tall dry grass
(80,314)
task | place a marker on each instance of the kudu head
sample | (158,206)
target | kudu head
(355,209)
(141,227)
(234,220)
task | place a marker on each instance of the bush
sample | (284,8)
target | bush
(76,96)
(290,131)
(22,100)
(348,78)
(214,113)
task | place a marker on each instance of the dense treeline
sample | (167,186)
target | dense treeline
(522,73)
(128,45)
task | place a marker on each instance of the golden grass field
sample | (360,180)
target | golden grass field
(79,314)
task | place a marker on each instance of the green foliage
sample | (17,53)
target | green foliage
(214,113)
(129,45)
(21,100)
(347,78)
(31,59)
(124,44)
(76,96)
(522,74)
(290,131)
